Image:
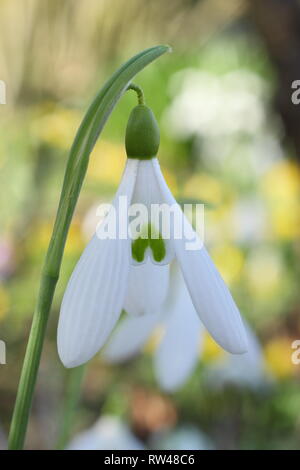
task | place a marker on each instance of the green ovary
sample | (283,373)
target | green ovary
(157,245)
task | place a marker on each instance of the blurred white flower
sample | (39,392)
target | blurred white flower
(247,370)
(215,105)
(181,438)
(265,270)
(181,341)
(250,220)
(228,116)
(109,433)
(265,151)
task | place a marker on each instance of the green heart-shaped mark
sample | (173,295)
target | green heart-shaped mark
(157,245)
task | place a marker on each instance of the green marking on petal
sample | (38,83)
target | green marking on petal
(138,248)
(150,238)
(158,249)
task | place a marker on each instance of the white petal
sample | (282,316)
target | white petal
(178,352)
(96,290)
(129,337)
(210,295)
(147,192)
(147,288)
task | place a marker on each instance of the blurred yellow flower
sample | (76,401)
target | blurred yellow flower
(4,302)
(230,261)
(170,180)
(211,350)
(282,181)
(205,187)
(75,241)
(57,127)
(218,222)
(263,272)
(106,163)
(281,186)
(278,353)
(154,340)
(38,243)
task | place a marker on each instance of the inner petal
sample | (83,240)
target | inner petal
(147,288)
(149,240)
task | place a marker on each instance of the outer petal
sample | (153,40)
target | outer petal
(210,295)
(96,290)
(129,337)
(147,288)
(178,352)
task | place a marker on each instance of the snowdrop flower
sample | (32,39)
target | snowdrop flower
(109,433)
(119,272)
(178,351)
(230,103)
(246,370)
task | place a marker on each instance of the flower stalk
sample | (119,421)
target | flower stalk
(77,164)
(139,92)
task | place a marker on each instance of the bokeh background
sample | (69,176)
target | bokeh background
(229,138)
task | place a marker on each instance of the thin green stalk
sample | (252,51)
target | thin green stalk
(139,92)
(77,164)
(72,396)
(31,363)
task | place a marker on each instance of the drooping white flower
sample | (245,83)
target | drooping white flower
(180,344)
(120,273)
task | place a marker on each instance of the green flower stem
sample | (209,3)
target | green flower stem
(31,363)
(139,92)
(86,137)
(74,383)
